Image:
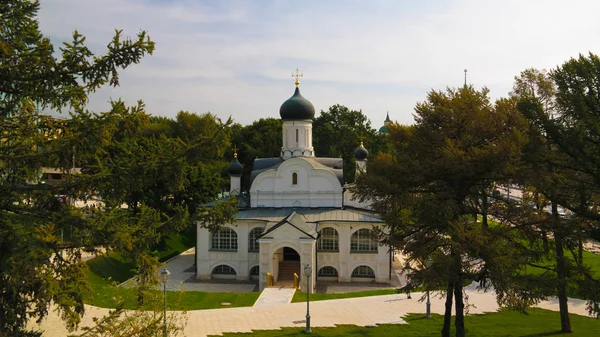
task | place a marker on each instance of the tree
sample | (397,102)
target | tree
(460,144)
(39,266)
(543,176)
(261,139)
(338,131)
(571,132)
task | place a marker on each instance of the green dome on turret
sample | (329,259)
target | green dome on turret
(235,168)
(386,123)
(297,107)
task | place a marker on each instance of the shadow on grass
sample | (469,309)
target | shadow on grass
(552,333)
(110,266)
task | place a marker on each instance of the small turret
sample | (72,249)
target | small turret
(361,155)
(235,174)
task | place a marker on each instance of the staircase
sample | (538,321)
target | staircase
(287,270)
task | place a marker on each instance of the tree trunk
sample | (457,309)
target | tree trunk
(561,286)
(484,210)
(448,312)
(545,240)
(580,250)
(459,320)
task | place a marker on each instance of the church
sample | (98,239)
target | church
(298,213)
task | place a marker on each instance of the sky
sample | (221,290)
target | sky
(235,58)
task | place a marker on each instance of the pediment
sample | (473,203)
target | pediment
(292,224)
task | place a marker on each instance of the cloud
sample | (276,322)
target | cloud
(235,57)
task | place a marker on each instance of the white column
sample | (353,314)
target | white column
(344,272)
(202,254)
(265,262)
(242,255)
(308,256)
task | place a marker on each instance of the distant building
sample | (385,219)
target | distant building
(386,124)
(297,213)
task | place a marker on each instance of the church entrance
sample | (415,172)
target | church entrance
(289,263)
(289,254)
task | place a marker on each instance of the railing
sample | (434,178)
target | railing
(270,279)
(296,281)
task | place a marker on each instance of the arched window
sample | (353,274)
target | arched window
(254,271)
(361,241)
(224,239)
(328,272)
(328,240)
(223,269)
(294,178)
(363,271)
(253,245)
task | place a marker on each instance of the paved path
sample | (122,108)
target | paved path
(275,296)
(359,311)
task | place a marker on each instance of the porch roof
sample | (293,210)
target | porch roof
(310,215)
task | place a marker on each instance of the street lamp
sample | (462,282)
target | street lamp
(307,272)
(165,277)
(428,263)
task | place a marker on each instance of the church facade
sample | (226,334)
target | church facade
(298,213)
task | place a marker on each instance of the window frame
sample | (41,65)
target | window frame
(226,270)
(251,243)
(361,241)
(369,272)
(224,243)
(328,242)
(321,274)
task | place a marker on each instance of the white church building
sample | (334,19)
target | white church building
(299,213)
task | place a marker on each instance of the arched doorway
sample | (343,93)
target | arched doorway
(287,263)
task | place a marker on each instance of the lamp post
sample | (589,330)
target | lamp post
(428,263)
(307,272)
(165,277)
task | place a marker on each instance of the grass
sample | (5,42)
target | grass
(112,268)
(537,322)
(108,296)
(301,296)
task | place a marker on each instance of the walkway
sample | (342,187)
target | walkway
(359,311)
(274,296)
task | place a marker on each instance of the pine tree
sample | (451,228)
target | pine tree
(460,145)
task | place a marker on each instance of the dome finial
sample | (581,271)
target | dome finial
(235,150)
(360,153)
(297,76)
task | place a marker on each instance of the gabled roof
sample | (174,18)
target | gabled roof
(334,165)
(310,215)
(295,220)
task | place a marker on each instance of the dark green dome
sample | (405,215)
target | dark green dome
(383,129)
(235,168)
(361,153)
(297,107)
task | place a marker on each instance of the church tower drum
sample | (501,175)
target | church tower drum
(297,115)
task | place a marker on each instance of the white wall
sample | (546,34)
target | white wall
(343,261)
(240,260)
(315,187)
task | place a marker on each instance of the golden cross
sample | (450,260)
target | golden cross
(361,138)
(297,75)
(235,150)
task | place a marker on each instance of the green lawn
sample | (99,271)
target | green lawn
(112,268)
(589,258)
(537,322)
(593,260)
(107,296)
(301,296)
